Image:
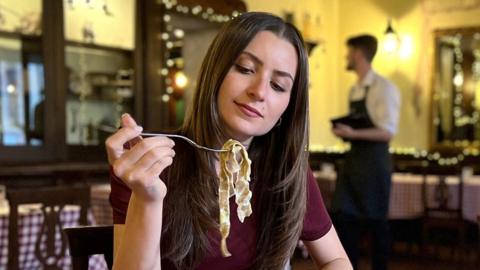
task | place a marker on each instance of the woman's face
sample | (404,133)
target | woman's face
(257,88)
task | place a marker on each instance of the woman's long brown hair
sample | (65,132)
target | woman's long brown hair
(279,182)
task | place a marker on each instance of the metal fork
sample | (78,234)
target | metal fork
(146,134)
(186,139)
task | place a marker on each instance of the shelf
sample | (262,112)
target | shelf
(116,83)
(18,35)
(80,45)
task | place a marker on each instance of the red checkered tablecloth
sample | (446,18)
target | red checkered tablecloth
(406,194)
(29,223)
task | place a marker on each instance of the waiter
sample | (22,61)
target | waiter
(362,193)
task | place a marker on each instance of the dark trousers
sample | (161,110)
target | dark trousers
(350,229)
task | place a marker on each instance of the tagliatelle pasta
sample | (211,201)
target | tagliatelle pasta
(234,179)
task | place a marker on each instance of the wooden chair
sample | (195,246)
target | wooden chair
(443,226)
(90,240)
(52,200)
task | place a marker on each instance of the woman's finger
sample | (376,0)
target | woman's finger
(141,148)
(115,143)
(148,168)
(157,168)
(153,156)
(127,120)
(129,158)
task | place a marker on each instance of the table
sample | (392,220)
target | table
(30,220)
(406,194)
(471,198)
(59,169)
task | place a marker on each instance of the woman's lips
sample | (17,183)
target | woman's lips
(248,110)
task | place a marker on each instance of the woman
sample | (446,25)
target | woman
(252,88)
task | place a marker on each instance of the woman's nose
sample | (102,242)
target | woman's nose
(258,89)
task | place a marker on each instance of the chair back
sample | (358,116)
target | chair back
(90,240)
(447,199)
(442,224)
(52,201)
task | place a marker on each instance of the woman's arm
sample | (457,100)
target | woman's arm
(118,230)
(327,252)
(137,243)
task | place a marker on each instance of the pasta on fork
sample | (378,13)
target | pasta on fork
(234,180)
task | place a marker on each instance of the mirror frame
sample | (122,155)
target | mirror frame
(434,144)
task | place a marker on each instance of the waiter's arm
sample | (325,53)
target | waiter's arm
(367,134)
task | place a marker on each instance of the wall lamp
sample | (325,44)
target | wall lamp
(391,42)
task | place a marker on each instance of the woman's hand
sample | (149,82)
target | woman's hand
(141,165)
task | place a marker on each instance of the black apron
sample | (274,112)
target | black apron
(363,185)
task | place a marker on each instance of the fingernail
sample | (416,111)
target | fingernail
(125,114)
(138,128)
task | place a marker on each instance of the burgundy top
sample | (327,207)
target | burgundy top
(242,239)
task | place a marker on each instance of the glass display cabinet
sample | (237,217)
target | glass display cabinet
(24,92)
(66,71)
(99,72)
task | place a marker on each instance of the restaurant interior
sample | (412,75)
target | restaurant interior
(69,69)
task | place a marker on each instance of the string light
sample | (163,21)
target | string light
(414,153)
(164,71)
(460,119)
(165,36)
(179,33)
(166,98)
(460,116)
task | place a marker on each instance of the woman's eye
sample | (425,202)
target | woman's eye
(275,86)
(243,69)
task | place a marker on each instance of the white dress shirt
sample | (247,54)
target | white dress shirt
(383,100)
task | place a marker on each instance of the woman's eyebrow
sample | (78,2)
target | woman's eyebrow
(257,60)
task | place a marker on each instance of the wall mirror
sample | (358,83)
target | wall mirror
(456,88)
(187,39)
(189,27)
